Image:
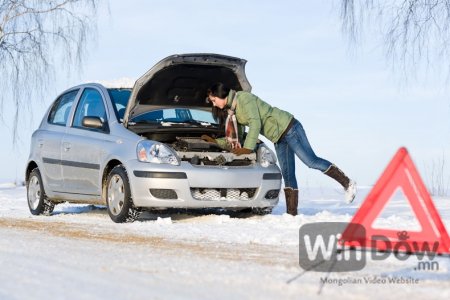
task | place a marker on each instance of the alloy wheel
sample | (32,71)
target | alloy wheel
(34,192)
(116,195)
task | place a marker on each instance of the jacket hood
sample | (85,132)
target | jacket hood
(183,80)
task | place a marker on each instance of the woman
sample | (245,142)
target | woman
(278,126)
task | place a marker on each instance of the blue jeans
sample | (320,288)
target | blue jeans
(296,142)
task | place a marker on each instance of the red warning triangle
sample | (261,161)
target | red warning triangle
(400,173)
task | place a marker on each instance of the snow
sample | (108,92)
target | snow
(123,82)
(79,253)
(7,185)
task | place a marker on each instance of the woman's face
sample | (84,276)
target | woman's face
(218,102)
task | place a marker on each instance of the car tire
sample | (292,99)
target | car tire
(118,197)
(38,203)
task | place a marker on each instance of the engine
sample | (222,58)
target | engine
(199,152)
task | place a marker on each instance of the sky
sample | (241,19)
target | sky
(356,109)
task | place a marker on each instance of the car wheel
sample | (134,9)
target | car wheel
(38,203)
(261,211)
(118,196)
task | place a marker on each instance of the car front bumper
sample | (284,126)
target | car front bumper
(188,186)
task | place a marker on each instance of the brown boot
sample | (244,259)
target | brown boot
(348,184)
(291,200)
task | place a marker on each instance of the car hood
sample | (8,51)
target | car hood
(182,81)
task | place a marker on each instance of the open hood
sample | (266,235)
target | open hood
(182,81)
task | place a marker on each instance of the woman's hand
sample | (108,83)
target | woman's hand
(241,151)
(208,139)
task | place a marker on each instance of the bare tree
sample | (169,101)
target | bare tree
(36,38)
(437,181)
(415,32)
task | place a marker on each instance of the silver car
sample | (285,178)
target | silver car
(140,148)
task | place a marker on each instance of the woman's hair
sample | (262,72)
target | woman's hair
(219,115)
(219,90)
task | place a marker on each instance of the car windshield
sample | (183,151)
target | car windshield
(120,99)
(176,115)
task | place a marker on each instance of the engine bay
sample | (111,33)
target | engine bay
(195,144)
(199,152)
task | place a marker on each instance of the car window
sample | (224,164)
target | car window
(90,105)
(176,115)
(59,114)
(120,98)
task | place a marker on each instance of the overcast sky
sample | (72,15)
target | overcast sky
(355,109)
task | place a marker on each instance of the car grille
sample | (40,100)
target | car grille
(223,194)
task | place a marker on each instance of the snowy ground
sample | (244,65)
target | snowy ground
(79,253)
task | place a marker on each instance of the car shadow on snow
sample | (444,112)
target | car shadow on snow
(71,209)
(176,214)
(181,214)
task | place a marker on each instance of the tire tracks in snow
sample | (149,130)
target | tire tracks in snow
(254,253)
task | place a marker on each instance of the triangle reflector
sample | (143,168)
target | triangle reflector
(398,211)
(400,173)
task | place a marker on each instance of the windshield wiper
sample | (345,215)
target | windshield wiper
(132,123)
(190,121)
(170,122)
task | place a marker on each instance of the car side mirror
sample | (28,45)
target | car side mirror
(93,122)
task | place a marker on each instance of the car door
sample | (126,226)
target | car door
(83,148)
(49,140)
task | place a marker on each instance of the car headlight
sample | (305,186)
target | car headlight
(154,152)
(266,157)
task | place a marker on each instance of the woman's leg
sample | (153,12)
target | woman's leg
(297,141)
(286,159)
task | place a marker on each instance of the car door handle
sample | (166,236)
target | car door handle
(41,143)
(66,146)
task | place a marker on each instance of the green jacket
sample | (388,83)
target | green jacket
(259,116)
